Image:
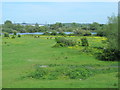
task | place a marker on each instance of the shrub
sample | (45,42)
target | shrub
(70,43)
(60,39)
(39,73)
(112,52)
(79,32)
(84,42)
(19,35)
(65,42)
(8,30)
(101,33)
(82,32)
(59,45)
(54,33)
(46,33)
(61,33)
(109,55)
(6,35)
(13,36)
(14,33)
(65,71)
(79,73)
(71,34)
(86,33)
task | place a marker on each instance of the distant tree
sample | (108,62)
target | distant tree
(7,27)
(61,33)
(79,32)
(43,28)
(94,26)
(74,24)
(36,27)
(14,32)
(29,28)
(8,30)
(56,26)
(54,33)
(19,28)
(46,33)
(22,31)
(8,22)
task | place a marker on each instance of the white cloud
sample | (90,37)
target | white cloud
(60,0)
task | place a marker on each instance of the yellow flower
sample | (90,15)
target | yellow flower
(70,47)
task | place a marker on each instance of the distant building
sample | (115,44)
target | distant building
(32,24)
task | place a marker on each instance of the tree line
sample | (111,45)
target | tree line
(9,27)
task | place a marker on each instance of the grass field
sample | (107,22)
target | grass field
(21,55)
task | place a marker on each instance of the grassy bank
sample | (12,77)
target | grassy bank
(22,55)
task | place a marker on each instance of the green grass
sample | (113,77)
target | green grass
(20,55)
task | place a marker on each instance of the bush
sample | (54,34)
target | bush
(46,33)
(60,39)
(19,35)
(109,55)
(39,73)
(112,52)
(61,33)
(84,42)
(79,32)
(58,71)
(87,33)
(71,34)
(78,73)
(63,71)
(82,32)
(54,33)
(8,30)
(13,36)
(59,45)
(101,33)
(6,35)
(65,42)
(14,32)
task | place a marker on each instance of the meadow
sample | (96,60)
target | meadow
(35,63)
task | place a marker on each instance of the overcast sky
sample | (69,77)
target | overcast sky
(51,12)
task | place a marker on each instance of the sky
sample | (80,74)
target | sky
(52,12)
(60,0)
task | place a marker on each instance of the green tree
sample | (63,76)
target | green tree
(14,32)
(112,32)
(8,24)
(112,51)
(19,28)
(74,24)
(43,29)
(36,27)
(54,33)
(56,26)
(94,26)
(7,27)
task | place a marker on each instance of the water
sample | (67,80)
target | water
(40,33)
(36,33)
(93,33)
